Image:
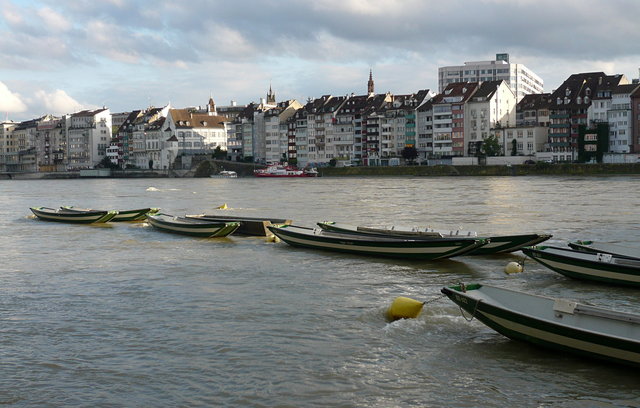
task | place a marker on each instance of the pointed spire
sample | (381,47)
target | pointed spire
(370,87)
(271,97)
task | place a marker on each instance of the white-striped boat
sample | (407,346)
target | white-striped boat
(599,267)
(606,248)
(558,324)
(139,214)
(316,238)
(73,216)
(496,244)
(192,226)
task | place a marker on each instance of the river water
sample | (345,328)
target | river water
(124,315)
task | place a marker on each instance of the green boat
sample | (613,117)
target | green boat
(598,267)
(558,324)
(375,245)
(139,214)
(496,244)
(73,216)
(192,226)
(606,248)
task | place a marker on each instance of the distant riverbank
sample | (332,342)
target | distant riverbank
(539,169)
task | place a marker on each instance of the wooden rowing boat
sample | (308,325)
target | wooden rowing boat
(606,248)
(599,267)
(191,226)
(496,244)
(315,238)
(139,214)
(558,324)
(73,216)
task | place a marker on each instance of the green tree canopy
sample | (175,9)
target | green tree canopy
(409,153)
(491,146)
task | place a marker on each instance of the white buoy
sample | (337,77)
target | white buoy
(513,267)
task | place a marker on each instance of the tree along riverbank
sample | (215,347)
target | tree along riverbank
(538,169)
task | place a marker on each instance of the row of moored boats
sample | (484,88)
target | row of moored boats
(554,323)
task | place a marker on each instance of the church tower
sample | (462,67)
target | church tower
(370,89)
(211,107)
(271,97)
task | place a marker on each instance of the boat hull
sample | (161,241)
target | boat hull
(612,249)
(541,322)
(586,266)
(139,214)
(498,244)
(191,227)
(250,226)
(375,246)
(74,217)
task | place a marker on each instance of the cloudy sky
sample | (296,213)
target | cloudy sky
(61,56)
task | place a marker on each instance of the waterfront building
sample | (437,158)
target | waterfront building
(51,144)
(449,117)
(197,133)
(117,119)
(533,110)
(569,108)
(620,119)
(24,157)
(276,130)
(520,79)
(7,143)
(424,124)
(493,105)
(146,135)
(123,140)
(635,120)
(89,134)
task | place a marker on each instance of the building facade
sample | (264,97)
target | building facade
(518,77)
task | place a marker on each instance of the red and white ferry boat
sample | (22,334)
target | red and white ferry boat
(280,170)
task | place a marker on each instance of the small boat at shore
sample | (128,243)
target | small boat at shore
(73,216)
(598,267)
(139,214)
(253,226)
(496,244)
(225,174)
(280,170)
(191,226)
(558,324)
(438,248)
(605,248)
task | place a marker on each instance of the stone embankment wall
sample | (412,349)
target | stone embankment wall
(568,169)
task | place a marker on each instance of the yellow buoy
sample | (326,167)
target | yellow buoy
(404,308)
(222,207)
(513,267)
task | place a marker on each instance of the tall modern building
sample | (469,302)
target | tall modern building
(520,79)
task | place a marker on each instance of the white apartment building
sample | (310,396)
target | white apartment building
(492,105)
(520,79)
(197,132)
(620,118)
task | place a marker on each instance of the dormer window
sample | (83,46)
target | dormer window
(578,100)
(586,99)
(587,92)
(559,100)
(566,101)
(567,92)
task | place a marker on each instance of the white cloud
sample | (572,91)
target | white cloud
(53,20)
(59,102)
(10,101)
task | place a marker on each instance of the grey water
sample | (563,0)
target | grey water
(125,315)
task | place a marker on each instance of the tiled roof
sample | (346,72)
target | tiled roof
(185,119)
